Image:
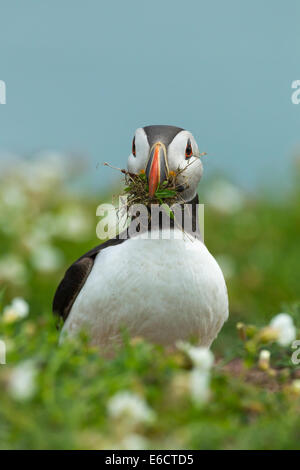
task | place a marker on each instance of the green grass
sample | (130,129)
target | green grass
(258,247)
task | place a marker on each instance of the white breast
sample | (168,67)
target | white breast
(162,290)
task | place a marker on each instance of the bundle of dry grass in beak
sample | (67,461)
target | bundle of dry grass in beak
(136,190)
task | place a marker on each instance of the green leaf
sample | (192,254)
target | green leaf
(168,211)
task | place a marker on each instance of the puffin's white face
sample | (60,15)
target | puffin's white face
(157,150)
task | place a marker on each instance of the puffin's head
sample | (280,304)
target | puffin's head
(159,150)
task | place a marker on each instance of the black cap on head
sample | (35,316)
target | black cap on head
(164,134)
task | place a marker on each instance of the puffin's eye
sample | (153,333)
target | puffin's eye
(188,150)
(133,147)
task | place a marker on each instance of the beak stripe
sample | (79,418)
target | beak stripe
(154,174)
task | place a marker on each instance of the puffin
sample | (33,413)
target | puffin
(163,289)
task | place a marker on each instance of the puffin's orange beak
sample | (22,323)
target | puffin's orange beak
(157,167)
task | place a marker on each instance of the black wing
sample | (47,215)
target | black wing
(75,278)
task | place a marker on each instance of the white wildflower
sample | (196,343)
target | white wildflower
(46,258)
(17,310)
(35,238)
(46,226)
(134,442)
(73,223)
(201,358)
(264,359)
(130,406)
(199,377)
(12,270)
(14,197)
(284,326)
(45,171)
(199,385)
(22,383)
(3,349)
(225,197)
(296,386)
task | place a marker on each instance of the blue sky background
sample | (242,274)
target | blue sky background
(82,75)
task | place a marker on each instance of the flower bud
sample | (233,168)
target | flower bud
(264,359)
